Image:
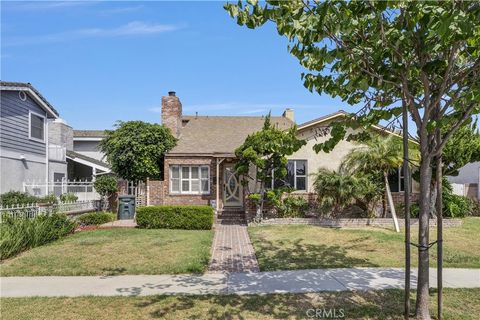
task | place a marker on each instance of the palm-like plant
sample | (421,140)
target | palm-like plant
(337,190)
(378,157)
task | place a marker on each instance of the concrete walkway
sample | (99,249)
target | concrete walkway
(299,281)
(119,224)
(232,250)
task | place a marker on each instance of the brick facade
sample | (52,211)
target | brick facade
(172,113)
(155,192)
(189,199)
(311,198)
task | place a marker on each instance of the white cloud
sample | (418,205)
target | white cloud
(131,28)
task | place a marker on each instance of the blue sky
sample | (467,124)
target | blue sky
(98,61)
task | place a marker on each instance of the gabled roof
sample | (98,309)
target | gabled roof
(34,94)
(341,113)
(210,135)
(321,119)
(91,162)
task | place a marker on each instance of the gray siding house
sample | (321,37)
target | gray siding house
(36,145)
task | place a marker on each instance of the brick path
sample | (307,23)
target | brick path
(232,250)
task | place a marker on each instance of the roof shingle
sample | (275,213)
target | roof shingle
(218,134)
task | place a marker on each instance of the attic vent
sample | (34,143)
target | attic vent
(22,95)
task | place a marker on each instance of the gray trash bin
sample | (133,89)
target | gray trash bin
(126,207)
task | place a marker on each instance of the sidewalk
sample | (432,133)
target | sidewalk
(298,281)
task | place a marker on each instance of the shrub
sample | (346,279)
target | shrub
(455,206)
(293,207)
(16,197)
(175,217)
(106,186)
(20,234)
(96,218)
(50,199)
(68,197)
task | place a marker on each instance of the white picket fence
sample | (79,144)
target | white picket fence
(84,190)
(32,210)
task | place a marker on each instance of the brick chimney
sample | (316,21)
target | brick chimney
(172,113)
(289,114)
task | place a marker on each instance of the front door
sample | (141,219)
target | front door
(232,189)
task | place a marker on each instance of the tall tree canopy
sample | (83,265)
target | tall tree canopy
(135,149)
(387,55)
(462,148)
(266,151)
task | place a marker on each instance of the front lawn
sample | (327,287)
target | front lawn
(288,247)
(458,304)
(115,252)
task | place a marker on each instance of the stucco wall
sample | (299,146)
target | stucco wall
(14,171)
(331,160)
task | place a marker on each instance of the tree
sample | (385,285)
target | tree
(422,56)
(266,152)
(378,158)
(105,186)
(337,190)
(461,149)
(135,149)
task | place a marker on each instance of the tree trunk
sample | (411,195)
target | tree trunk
(433,199)
(259,216)
(422,303)
(390,203)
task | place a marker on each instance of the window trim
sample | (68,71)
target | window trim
(30,112)
(295,175)
(180,179)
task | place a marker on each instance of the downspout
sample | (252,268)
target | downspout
(46,156)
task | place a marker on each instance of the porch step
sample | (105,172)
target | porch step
(231,216)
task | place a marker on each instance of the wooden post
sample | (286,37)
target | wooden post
(406,177)
(439,207)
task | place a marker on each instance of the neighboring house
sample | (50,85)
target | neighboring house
(200,169)
(467,182)
(87,143)
(36,145)
(86,159)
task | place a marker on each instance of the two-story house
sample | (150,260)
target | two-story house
(36,145)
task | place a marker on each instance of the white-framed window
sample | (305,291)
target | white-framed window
(36,126)
(190,179)
(396,180)
(296,177)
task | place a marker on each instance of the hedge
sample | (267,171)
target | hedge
(96,218)
(175,217)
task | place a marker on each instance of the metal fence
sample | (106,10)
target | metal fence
(84,190)
(32,210)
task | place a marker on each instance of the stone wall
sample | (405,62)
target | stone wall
(377,222)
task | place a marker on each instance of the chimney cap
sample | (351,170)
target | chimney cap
(171,93)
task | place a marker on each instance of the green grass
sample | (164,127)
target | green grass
(114,252)
(458,304)
(289,247)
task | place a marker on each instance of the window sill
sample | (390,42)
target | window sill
(188,194)
(36,140)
